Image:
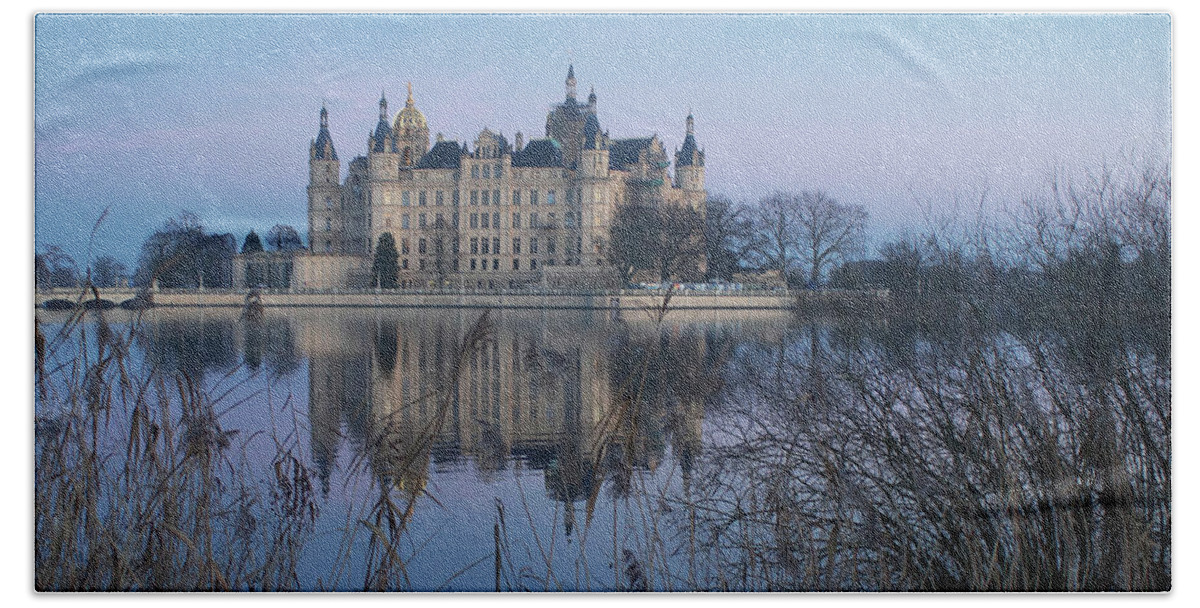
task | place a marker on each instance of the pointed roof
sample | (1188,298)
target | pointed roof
(690,154)
(322,147)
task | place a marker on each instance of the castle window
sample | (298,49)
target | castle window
(550,217)
(474,197)
(550,262)
(439,221)
(533,197)
(404,246)
(516,220)
(550,197)
(516,248)
(421,198)
(487,172)
(454,246)
(533,220)
(516,197)
(495,263)
(496,245)
(496,220)
(484,223)
(533,246)
(454,197)
(533,264)
(551,245)
(328,246)
(422,265)
(421,246)
(484,248)
(405,198)
(421,220)
(328,225)
(496,196)
(438,199)
(454,220)
(472,263)
(474,248)
(474,220)
(570,219)
(485,197)
(474,171)
(404,264)
(516,264)
(496,171)
(404,221)
(328,203)
(454,264)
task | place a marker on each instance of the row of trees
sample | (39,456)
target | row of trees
(796,236)
(52,267)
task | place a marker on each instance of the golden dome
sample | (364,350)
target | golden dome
(410,118)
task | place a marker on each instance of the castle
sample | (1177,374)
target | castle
(490,214)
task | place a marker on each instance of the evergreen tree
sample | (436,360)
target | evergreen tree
(252,244)
(387,262)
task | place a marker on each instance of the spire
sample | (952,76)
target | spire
(382,106)
(571,82)
(322,147)
(691,124)
(592,97)
(409,102)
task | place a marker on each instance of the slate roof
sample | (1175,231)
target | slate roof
(383,135)
(539,153)
(624,152)
(443,155)
(684,157)
(324,141)
(590,128)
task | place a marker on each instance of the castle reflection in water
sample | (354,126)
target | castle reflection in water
(574,394)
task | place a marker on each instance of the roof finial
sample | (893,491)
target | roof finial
(691,123)
(324,116)
(409,103)
(571,82)
(382,105)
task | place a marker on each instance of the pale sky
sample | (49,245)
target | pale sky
(150,115)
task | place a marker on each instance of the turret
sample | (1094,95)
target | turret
(382,154)
(689,160)
(571,82)
(324,190)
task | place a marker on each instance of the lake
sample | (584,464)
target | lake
(347,449)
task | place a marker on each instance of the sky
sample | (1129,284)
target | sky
(150,115)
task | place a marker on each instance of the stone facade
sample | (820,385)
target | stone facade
(490,213)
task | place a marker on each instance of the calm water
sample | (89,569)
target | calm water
(702,451)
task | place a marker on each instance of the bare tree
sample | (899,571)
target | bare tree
(829,231)
(728,235)
(107,271)
(776,232)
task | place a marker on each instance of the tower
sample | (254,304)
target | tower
(565,123)
(689,161)
(411,133)
(382,154)
(324,191)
